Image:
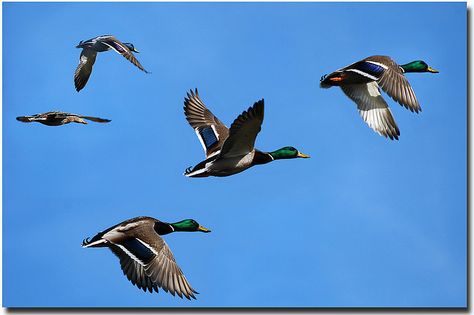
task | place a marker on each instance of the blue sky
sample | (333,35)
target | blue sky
(365,222)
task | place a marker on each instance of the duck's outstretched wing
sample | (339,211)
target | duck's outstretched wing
(133,270)
(84,68)
(394,83)
(28,119)
(96,119)
(122,49)
(144,256)
(372,108)
(165,272)
(210,131)
(243,131)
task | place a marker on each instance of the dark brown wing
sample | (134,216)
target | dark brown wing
(164,272)
(151,257)
(210,131)
(134,271)
(96,119)
(26,119)
(84,68)
(122,49)
(243,131)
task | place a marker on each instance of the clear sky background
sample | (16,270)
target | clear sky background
(365,222)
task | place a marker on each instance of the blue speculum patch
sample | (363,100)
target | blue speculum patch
(370,68)
(208,136)
(138,249)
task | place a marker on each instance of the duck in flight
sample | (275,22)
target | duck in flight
(91,47)
(60,118)
(145,258)
(361,82)
(229,151)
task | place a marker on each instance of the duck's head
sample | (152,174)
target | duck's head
(131,47)
(81,44)
(188,225)
(287,153)
(418,66)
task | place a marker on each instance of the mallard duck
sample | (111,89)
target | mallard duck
(91,47)
(229,151)
(361,82)
(59,118)
(145,258)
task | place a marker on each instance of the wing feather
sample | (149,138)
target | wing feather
(372,108)
(96,119)
(394,83)
(243,131)
(210,131)
(84,68)
(122,49)
(133,270)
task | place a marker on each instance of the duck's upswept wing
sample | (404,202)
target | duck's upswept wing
(373,108)
(243,131)
(146,259)
(84,68)
(394,83)
(210,131)
(122,49)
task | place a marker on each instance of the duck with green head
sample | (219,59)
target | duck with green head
(229,151)
(361,82)
(145,258)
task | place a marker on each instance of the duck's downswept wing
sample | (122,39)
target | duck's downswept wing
(122,49)
(210,131)
(394,83)
(243,131)
(372,108)
(84,68)
(133,270)
(147,261)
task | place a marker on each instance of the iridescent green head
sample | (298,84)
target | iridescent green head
(287,153)
(188,225)
(418,66)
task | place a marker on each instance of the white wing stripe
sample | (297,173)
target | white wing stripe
(363,74)
(126,251)
(147,246)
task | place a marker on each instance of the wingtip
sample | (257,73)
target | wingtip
(22,119)
(192,93)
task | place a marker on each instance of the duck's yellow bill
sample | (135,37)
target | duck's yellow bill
(203,229)
(302,155)
(432,70)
